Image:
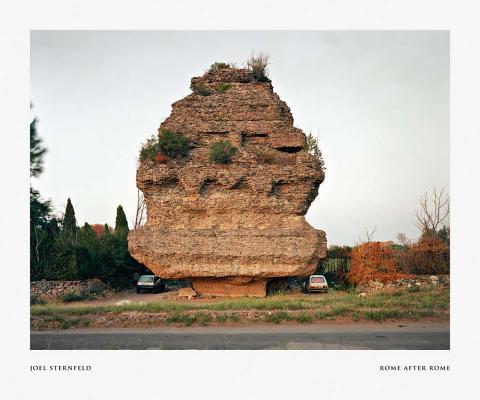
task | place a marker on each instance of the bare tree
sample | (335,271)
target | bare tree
(434,213)
(404,240)
(368,236)
(140,214)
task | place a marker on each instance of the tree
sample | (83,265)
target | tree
(121,224)
(311,145)
(444,234)
(87,251)
(44,231)
(368,236)
(434,213)
(404,240)
(37,151)
(106,230)
(69,222)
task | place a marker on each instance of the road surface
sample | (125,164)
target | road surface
(316,336)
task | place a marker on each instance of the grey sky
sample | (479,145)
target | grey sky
(378,99)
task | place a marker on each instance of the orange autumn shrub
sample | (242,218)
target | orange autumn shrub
(429,256)
(374,261)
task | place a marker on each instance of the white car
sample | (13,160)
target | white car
(316,283)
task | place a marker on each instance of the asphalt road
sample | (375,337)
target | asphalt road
(317,336)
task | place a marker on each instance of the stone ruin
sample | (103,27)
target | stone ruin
(230,228)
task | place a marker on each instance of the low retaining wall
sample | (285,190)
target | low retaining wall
(404,283)
(54,289)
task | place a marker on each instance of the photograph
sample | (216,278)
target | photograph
(239,190)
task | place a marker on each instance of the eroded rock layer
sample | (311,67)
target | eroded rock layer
(231,227)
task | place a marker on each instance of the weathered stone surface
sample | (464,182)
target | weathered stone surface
(228,287)
(187,293)
(243,221)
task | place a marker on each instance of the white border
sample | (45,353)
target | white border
(237,374)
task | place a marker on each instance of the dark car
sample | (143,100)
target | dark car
(150,283)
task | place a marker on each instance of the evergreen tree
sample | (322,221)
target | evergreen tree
(106,230)
(312,147)
(69,221)
(37,150)
(121,224)
(87,250)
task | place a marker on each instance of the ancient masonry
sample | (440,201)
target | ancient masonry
(230,228)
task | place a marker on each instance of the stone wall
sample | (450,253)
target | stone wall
(51,290)
(419,281)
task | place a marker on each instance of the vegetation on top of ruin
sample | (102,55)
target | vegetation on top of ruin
(166,144)
(173,144)
(201,89)
(259,67)
(149,149)
(204,90)
(222,87)
(216,66)
(222,152)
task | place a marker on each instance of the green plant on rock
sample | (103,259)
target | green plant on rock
(258,65)
(222,152)
(312,147)
(219,65)
(173,144)
(201,89)
(264,154)
(149,149)
(223,87)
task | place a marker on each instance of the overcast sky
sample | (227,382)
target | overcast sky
(379,101)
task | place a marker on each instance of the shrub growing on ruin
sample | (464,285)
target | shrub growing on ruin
(222,152)
(201,89)
(223,87)
(173,144)
(149,149)
(264,154)
(311,145)
(258,65)
(219,65)
(374,261)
